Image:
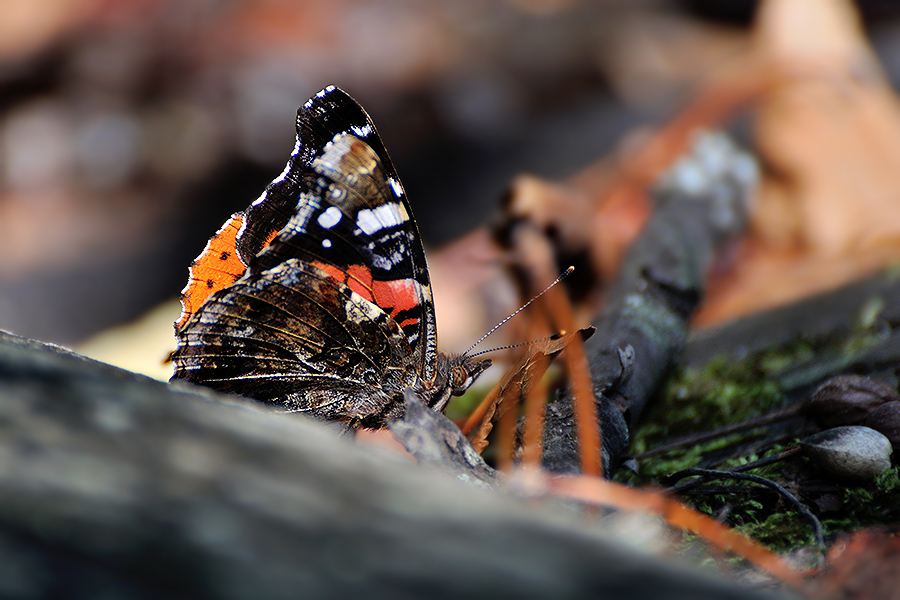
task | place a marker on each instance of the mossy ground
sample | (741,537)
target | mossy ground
(725,392)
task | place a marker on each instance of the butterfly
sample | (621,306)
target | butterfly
(317,297)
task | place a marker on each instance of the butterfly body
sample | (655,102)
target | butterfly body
(317,297)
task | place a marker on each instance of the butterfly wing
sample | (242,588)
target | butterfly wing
(385,235)
(296,337)
(326,285)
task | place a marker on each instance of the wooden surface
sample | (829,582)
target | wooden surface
(114,485)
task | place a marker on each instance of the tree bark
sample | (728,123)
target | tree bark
(115,485)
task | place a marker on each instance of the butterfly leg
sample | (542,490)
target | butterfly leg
(349,430)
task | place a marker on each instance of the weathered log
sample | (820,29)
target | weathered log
(437,443)
(114,485)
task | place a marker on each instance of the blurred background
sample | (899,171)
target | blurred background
(131,129)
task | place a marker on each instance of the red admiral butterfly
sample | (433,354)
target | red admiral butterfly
(317,298)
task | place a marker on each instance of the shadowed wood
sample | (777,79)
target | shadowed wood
(114,485)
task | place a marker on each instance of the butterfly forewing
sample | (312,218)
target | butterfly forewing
(353,225)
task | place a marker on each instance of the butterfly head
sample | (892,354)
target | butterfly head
(455,374)
(464,370)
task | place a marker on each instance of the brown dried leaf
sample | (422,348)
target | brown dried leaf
(600,492)
(511,390)
(830,134)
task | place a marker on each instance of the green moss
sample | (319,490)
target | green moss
(889,482)
(786,358)
(695,400)
(779,531)
(875,504)
(870,312)
(809,361)
(727,391)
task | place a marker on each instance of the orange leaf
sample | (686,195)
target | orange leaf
(509,391)
(597,491)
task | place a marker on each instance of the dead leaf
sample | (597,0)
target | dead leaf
(597,491)
(830,134)
(510,391)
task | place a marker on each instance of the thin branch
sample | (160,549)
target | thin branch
(707,474)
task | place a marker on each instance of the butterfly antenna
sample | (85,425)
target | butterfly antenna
(562,276)
(556,335)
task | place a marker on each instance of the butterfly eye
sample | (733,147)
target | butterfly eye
(458,376)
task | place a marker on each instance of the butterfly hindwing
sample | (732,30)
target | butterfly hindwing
(288,330)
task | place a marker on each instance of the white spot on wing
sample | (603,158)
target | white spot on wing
(371,220)
(241,230)
(260,200)
(284,173)
(326,243)
(358,308)
(330,218)
(363,131)
(386,263)
(319,94)
(287,167)
(395,185)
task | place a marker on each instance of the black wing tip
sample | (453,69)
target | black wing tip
(327,100)
(329,113)
(329,92)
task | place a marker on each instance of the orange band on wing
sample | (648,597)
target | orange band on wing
(359,279)
(392,296)
(398,295)
(356,277)
(217,267)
